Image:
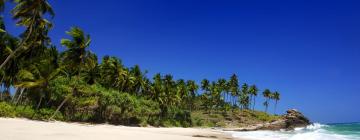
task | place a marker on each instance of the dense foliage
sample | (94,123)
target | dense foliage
(73,86)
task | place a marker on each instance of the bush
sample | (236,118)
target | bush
(44,114)
(124,108)
(6,110)
(25,111)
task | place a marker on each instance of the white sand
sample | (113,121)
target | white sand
(22,129)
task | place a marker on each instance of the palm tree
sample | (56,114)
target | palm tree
(267,95)
(181,89)
(139,76)
(222,86)
(276,97)
(37,76)
(192,88)
(253,92)
(30,14)
(157,88)
(244,98)
(234,88)
(76,56)
(205,85)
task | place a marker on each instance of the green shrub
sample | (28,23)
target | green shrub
(24,111)
(45,113)
(6,110)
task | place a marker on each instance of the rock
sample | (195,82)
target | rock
(294,119)
(289,121)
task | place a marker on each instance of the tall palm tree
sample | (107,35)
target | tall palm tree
(222,86)
(157,92)
(267,95)
(276,97)
(253,92)
(192,89)
(138,79)
(181,89)
(77,56)
(31,15)
(244,98)
(234,88)
(205,86)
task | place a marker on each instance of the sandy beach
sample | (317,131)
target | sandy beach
(21,129)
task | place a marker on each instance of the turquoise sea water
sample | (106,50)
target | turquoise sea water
(316,131)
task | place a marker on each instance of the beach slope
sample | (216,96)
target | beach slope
(20,129)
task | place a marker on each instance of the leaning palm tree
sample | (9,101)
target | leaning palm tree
(31,15)
(267,95)
(253,90)
(276,97)
(77,56)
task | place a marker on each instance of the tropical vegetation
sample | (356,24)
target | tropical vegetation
(72,85)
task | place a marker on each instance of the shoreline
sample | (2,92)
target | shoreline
(19,129)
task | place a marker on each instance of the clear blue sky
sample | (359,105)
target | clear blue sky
(309,51)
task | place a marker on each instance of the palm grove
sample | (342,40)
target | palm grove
(73,86)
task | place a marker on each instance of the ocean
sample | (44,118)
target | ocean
(316,131)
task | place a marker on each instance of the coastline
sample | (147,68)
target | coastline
(19,129)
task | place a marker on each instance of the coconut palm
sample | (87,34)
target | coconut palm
(181,89)
(234,88)
(253,90)
(31,15)
(276,97)
(244,98)
(267,96)
(36,77)
(222,86)
(77,56)
(139,76)
(205,85)
(192,89)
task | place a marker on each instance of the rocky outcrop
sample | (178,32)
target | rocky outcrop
(289,121)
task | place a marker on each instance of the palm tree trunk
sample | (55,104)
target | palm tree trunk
(275,107)
(254,104)
(12,54)
(1,92)
(13,98)
(18,99)
(37,107)
(267,105)
(250,102)
(59,107)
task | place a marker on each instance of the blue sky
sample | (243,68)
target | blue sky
(307,50)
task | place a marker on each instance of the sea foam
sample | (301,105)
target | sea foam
(315,131)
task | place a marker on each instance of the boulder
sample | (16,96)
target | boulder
(292,119)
